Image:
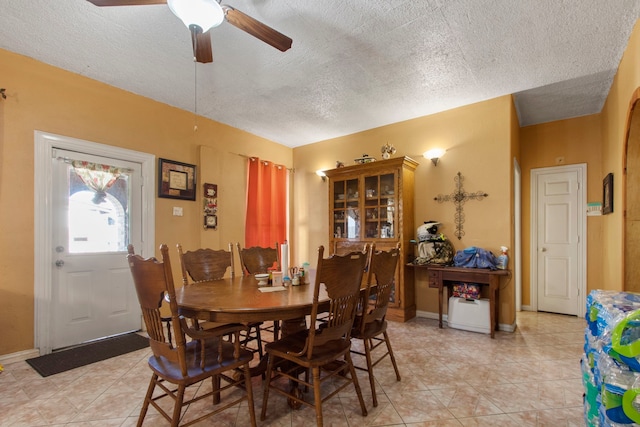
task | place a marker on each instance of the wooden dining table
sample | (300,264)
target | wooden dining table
(241,300)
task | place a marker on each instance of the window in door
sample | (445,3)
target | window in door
(98,218)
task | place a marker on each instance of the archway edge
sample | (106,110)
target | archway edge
(631,116)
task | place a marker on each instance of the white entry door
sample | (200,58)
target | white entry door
(96,214)
(558,243)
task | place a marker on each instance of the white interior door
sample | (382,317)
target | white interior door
(96,214)
(557,240)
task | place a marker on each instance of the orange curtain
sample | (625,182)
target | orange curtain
(266,221)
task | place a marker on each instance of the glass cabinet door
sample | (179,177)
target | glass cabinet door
(380,207)
(346,209)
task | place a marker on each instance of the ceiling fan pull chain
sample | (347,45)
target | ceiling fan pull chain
(195,95)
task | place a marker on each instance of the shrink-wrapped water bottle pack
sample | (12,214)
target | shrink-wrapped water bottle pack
(611,359)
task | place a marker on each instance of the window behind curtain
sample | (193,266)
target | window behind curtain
(266,219)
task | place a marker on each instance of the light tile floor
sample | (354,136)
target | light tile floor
(449,378)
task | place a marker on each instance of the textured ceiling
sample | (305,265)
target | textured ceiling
(354,65)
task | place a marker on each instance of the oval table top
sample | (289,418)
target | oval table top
(239,299)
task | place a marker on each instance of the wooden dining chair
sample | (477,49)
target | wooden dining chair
(165,319)
(210,264)
(184,364)
(371,322)
(258,259)
(324,350)
(206,264)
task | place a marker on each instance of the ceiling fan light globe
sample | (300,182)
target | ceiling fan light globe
(206,14)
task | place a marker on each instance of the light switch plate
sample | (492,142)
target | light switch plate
(177,211)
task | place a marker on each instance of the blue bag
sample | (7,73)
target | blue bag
(473,257)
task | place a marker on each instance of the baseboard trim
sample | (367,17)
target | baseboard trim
(19,356)
(431,315)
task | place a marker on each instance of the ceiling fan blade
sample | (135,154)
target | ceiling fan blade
(126,2)
(201,44)
(256,28)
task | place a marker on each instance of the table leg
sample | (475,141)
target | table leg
(440,286)
(494,284)
(288,327)
(292,326)
(260,368)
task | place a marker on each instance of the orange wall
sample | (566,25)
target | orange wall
(481,141)
(615,116)
(578,141)
(478,142)
(41,97)
(599,141)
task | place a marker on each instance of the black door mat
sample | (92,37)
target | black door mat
(64,360)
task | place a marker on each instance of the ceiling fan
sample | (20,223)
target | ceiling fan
(202,15)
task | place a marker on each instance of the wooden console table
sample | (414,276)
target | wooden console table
(441,277)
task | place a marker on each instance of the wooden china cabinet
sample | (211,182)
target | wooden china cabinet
(373,203)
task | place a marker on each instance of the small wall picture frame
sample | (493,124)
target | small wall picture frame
(211,221)
(176,180)
(607,194)
(210,201)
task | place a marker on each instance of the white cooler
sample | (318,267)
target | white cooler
(470,315)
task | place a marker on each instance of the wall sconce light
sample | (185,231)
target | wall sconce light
(434,155)
(321,174)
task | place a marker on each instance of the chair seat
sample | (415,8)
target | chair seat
(286,347)
(171,372)
(372,329)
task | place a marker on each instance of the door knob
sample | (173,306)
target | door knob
(543,249)
(59,263)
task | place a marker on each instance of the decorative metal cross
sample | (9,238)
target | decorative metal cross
(459,197)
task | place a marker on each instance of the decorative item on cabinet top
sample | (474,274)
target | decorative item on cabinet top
(387,151)
(364,159)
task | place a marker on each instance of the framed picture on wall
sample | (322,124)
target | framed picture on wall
(607,194)
(210,200)
(176,180)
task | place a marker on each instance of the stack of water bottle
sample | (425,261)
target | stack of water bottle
(611,359)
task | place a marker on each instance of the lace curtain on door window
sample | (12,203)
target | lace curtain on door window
(97,177)
(266,203)
(98,208)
